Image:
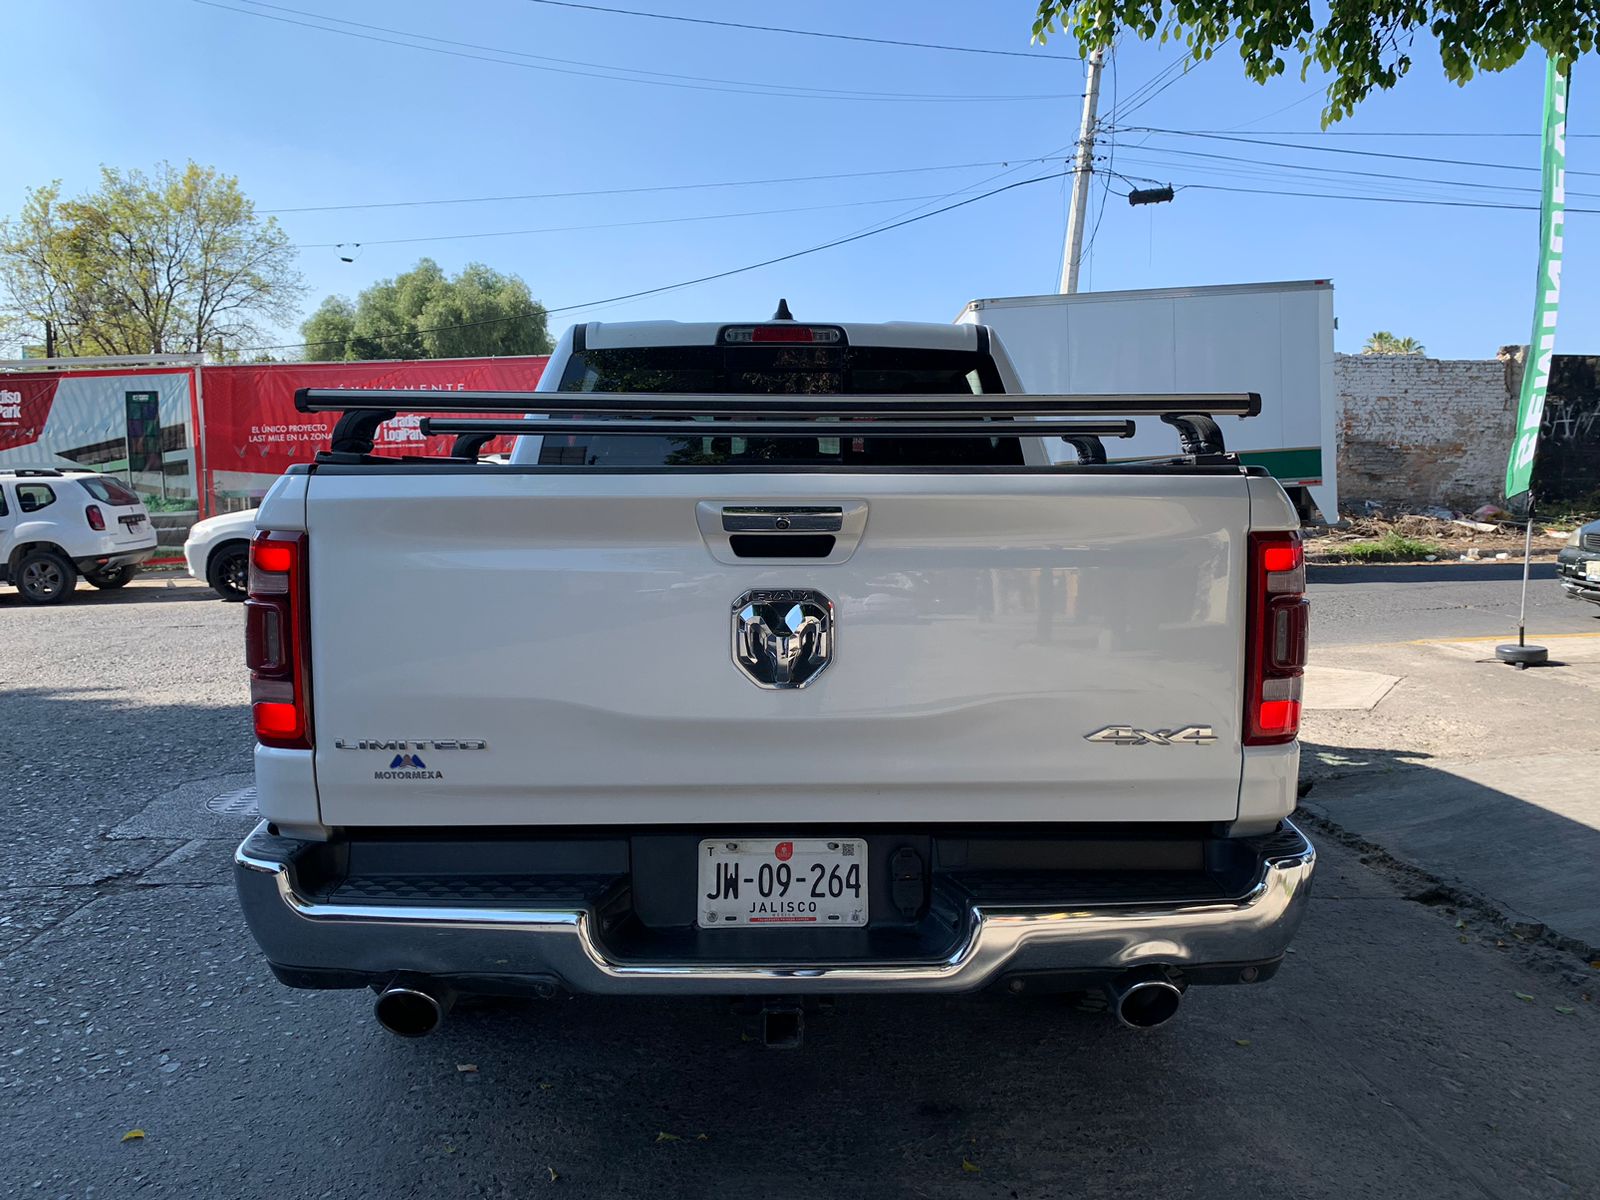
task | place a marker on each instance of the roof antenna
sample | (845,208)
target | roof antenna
(783,313)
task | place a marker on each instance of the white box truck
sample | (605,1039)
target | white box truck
(1271,338)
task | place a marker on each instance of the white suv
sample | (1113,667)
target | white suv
(58,524)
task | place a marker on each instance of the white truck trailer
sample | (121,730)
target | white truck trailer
(1272,338)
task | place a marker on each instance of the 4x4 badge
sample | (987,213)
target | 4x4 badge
(1127,735)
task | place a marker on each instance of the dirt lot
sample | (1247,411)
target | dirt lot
(1447,540)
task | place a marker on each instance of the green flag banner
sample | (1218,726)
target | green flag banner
(1547,295)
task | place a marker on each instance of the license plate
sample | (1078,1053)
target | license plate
(772,882)
(1591,569)
(131,521)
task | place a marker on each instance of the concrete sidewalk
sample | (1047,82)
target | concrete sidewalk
(1482,776)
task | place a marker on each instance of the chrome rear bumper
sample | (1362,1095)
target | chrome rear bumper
(301,934)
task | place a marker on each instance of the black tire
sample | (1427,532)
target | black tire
(45,577)
(116,577)
(228,571)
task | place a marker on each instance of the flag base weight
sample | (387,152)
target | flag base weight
(1522,656)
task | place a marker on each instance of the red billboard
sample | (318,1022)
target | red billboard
(24,409)
(251,431)
(215,438)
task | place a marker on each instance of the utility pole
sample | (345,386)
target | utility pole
(1082,174)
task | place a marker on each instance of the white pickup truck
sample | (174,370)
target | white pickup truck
(778,662)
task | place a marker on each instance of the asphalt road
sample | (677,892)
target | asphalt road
(1394,1056)
(1445,600)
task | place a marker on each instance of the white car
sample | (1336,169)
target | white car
(58,524)
(218,552)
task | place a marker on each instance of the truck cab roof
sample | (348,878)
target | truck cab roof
(616,335)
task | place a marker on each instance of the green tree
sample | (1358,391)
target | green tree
(176,260)
(424,314)
(1363,44)
(1384,342)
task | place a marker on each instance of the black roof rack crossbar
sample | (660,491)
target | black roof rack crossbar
(623,427)
(933,407)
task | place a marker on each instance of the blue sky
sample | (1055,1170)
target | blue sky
(307,118)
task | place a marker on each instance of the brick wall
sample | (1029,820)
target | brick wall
(1414,432)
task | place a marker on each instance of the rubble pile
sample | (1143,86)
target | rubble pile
(1458,538)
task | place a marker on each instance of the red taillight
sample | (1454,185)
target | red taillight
(276,642)
(276,558)
(278,722)
(1277,559)
(97,519)
(1280,718)
(1278,622)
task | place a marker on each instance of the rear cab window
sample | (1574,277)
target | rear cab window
(779,370)
(109,491)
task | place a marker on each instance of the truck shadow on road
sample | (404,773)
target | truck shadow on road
(676,1099)
(93,597)
(86,595)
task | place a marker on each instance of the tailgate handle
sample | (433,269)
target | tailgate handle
(751,531)
(782,518)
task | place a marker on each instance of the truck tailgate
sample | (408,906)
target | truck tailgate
(578,626)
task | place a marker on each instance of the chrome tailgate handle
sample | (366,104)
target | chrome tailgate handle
(782,518)
(749,533)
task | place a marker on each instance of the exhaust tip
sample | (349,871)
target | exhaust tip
(1148,1003)
(408,1012)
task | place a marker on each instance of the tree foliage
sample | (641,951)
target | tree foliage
(176,260)
(424,314)
(1363,44)
(1384,342)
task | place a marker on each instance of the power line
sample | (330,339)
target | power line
(1261,141)
(1309,96)
(1135,96)
(737,87)
(1269,179)
(666,187)
(565,62)
(813,33)
(1153,91)
(671,287)
(1438,133)
(1158,83)
(971,187)
(459,237)
(1495,187)
(1217,187)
